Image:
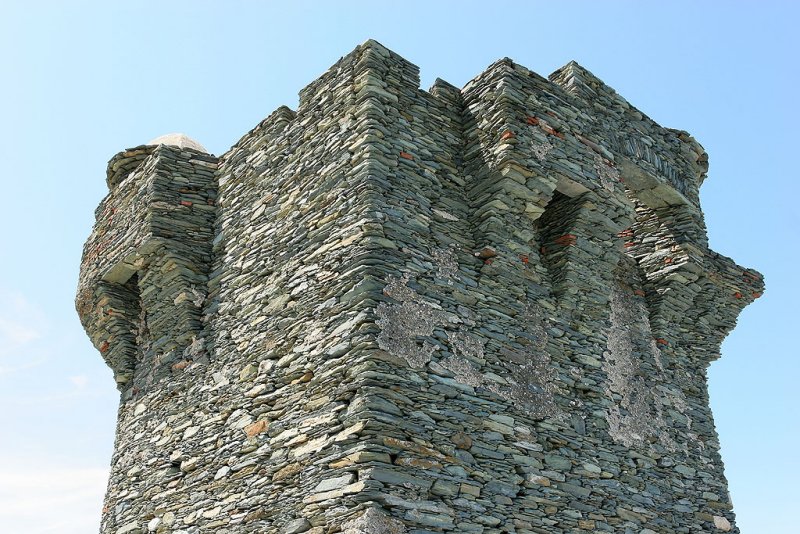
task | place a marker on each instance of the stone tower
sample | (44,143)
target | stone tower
(478,310)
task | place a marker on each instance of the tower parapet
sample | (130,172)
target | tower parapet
(485,310)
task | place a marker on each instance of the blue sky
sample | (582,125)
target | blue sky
(84,80)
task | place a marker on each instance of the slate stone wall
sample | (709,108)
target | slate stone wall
(486,310)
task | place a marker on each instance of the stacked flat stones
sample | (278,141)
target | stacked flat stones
(487,310)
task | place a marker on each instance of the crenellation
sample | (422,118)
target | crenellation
(487,310)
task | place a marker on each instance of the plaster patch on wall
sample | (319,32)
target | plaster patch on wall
(397,288)
(541,150)
(446,264)
(531,379)
(464,347)
(465,344)
(637,417)
(608,175)
(373,522)
(401,324)
(656,354)
(142,332)
(199,296)
(536,325)
(463,371)
(530,385)
(533,383)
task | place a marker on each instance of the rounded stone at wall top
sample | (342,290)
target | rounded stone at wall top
(179,140)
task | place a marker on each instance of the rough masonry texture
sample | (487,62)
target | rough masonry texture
(478,310)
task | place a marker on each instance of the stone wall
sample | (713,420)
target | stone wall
(482,310)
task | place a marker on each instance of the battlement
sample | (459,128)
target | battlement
(486,309)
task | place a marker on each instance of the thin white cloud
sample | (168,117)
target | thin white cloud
(21,324)
(9,369)
(79,381)
(44,399)
(40,499)
(16,333)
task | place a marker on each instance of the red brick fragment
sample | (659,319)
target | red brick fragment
(737,295)
(186,203)
(629,244)
(638,292)
(662,341)
(406,155)
(625,233)
(752,278)
(524,258)
(667,260)
(256,428)
(486,252)
(462,441)
(508,134)
(566,240)
(104,347)
(306,377)
(183,364)
(756,294)
(533,121)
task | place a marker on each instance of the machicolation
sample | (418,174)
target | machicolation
(479,310)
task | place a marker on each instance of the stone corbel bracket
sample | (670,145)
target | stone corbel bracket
(691,289)
(145,266)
